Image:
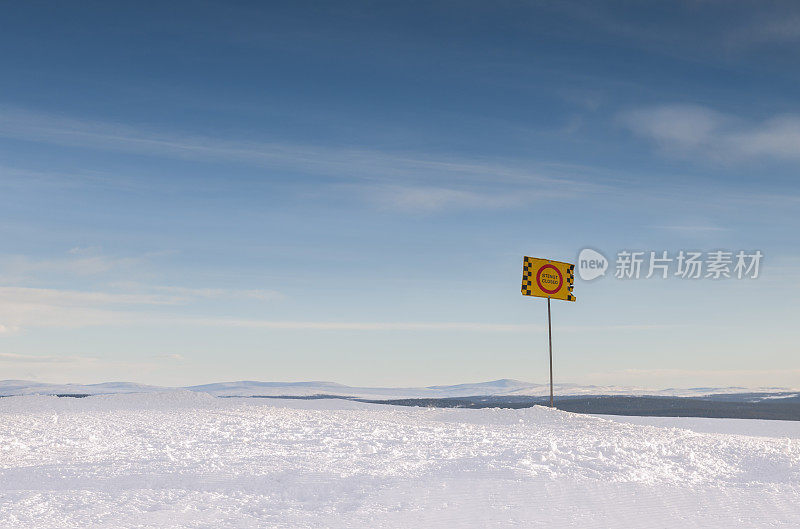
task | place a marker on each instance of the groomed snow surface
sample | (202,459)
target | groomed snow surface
(181,459)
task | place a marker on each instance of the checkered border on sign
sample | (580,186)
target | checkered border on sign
(527,277)
(570,282)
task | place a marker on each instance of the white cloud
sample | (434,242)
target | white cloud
(766,28)
(77,298)
(427,198)
(26,307)
(31,314)
(701,377)
(218,293)
(186,294)
(31,308)
(35,359)
(77,264)
(675,126)
(412,326)
(687,372)
(170,356)
(78,250)
(67,368)
(689,130)
(778,137)
(113,303)
(442,178)
(693,228)
(362,326)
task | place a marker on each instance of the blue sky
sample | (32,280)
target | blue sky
(344,191)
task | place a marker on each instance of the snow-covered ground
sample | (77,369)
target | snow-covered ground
(749,427)
(183,459)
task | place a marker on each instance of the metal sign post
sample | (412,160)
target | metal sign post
(550,341)
(544,278)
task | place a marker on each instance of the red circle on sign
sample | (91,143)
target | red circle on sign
(539,279)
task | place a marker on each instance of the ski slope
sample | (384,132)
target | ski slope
(187,459)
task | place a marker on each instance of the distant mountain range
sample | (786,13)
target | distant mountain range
(249,388)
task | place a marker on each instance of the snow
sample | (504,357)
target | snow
(244,388)
(26,387)
(787,396)
(187,459)
(751,427)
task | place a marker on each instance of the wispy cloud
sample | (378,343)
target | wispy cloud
(411,326)
(170,356)
(76,263)
(765,28)
(689,130)
(30,308)
(675,127)
(36,359)
(692,228)
(109,302)
(694,31)
(420,179)
(26,307)
(184,294)
(82,263)
(72,298)
(684,372)
(66,368)
(699,378)
(360,325)
(778,137)
(431,198)
(88,311)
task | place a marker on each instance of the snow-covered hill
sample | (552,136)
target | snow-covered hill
(189,460)
(503,387)
(27,387)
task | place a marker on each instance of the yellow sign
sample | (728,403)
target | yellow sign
(547,279)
